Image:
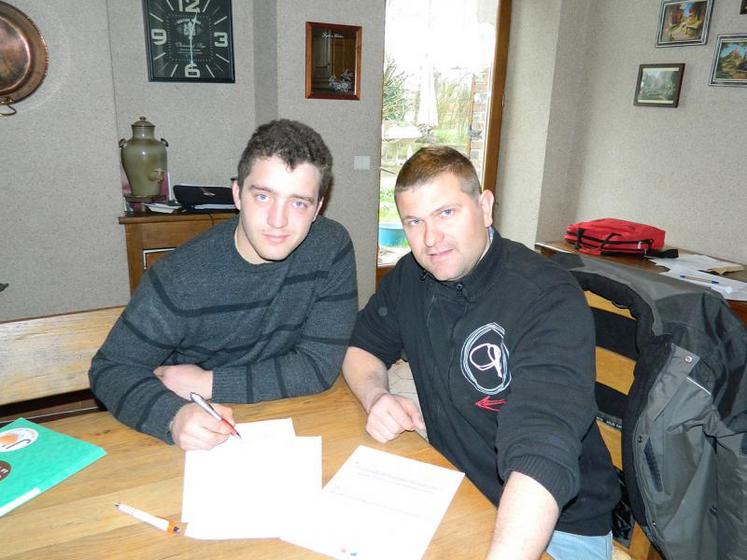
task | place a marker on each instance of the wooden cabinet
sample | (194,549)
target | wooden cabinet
(151,236)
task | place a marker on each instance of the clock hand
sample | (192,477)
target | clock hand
(192,27)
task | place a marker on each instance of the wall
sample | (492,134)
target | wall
(350,128)
(60,245)
(526,113)
(61,248)
(680,169)
(207,125)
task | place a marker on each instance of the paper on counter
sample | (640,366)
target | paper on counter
(730,289)
(378,505)
(244,488)
(699,262)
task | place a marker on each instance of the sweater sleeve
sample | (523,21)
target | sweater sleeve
(121,373)
(551,403)
(314,362)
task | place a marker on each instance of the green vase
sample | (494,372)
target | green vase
(144,160)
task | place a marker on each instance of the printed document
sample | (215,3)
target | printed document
(378,505)
(243,487)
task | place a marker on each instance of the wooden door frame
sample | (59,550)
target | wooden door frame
(495,116)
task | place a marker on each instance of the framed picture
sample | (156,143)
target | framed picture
(333,61)
(730,61)
(658,85)
(743,7)
(683,23)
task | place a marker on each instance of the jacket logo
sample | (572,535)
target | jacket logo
(490,404)
(485,363)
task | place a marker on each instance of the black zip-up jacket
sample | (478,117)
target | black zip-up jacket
(503,362)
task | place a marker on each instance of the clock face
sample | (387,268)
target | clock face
(189,40)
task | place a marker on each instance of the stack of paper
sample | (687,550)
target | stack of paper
(268,484)
(692,268)
(700,262)
(243,488)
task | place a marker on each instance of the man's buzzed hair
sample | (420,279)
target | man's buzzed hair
(430,162)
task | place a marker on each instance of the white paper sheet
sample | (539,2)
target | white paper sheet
(243,488)
(378,505)
(699,262)
(730,289)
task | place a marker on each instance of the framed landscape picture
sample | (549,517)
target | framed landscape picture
(730,61)
(683,23)
(659,85)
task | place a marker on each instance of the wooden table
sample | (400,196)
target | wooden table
(548,248)
(77,519)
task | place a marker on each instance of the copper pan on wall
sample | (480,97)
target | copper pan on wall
(23,57)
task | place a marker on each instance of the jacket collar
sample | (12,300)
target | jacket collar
(472,285)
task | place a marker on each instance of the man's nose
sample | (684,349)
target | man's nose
(432,235)
(278,217)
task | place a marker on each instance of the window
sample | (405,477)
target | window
(438,82)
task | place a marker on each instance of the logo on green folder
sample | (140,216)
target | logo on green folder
(17,438)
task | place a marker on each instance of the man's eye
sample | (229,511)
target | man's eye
(261,197)
(300,204)
(448,212)
(411,223)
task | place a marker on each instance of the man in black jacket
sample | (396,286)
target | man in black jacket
(501,345)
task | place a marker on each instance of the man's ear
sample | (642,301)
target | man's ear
(318,208)
(236,192)
(486,206)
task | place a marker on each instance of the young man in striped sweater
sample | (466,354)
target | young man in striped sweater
(257,308)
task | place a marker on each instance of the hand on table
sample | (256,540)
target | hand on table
(390,415)
(184,379)
(193,428)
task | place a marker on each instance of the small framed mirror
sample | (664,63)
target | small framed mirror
(333,61)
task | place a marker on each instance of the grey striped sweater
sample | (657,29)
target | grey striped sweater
(267,331)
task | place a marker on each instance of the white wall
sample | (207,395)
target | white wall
(206,125)
(526,114)
(60,245)
(61,248)
(350,128)
(680,169)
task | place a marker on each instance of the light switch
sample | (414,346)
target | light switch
(361,162)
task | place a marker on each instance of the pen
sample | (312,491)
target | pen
(200,401)
(157,522)
(698,279)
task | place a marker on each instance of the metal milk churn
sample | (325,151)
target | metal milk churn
(144,160)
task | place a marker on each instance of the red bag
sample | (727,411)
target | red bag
(610,235)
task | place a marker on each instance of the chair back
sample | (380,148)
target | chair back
(615,365)
(51,355)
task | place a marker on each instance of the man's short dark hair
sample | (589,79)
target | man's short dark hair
(294,143)
(430,162)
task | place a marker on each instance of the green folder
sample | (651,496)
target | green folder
(34,458)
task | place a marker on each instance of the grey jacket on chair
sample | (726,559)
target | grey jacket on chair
(684,425)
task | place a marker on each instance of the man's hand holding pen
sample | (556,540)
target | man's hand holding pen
(193,428)
(198,425)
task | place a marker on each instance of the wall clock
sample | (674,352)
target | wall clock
(189,40)
(23,57)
